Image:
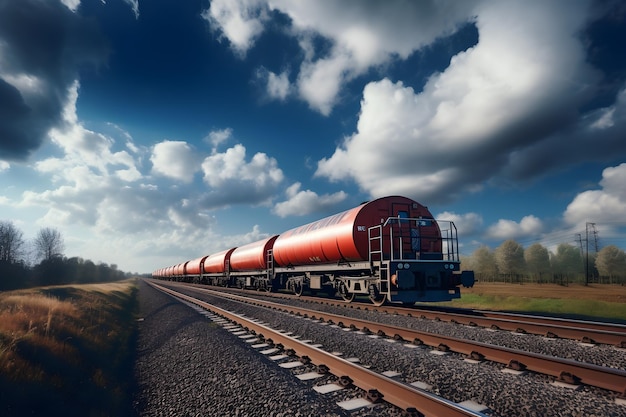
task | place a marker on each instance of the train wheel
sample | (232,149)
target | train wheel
(347,297)
(345,294)
(379,300)
(298,288)
(376,297)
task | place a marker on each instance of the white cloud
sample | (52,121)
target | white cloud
(278,86)
(319,82)
(362,35)
(4,166)
(99,199)
(134,5)
(394,123)
(476,120)
(509,229)
(300,203)
(466,224)
(175,159)
(71,4)
(495,114)
(607,204)
(91,151)
(239,21)
(233,179)
(217,137)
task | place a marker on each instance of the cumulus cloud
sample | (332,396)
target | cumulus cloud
(217,137)
(175,159)
(277,86)
(42,45)
(97,190)
(509,229)
(234,179)
(88,171)
(361,35)
(106,191)
(85,149)
(607,204)
(302,202)
(499,112)
(467,224)
(502,110)
(238,21)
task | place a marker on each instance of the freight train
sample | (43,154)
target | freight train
(390,249)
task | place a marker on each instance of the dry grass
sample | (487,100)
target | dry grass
(65,345)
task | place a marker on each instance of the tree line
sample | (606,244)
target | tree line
(511,262)
(41,261)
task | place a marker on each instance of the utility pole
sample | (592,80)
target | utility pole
(587,254)
(589,225)
(580,243)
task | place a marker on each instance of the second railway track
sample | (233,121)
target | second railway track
(586,331)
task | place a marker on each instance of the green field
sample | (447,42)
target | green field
(593,301)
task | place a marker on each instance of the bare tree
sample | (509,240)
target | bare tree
(49,243)
(11,242)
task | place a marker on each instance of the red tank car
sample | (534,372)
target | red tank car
(215,270)
(196,265)
(344,236)
(250,264)
(216,263)
(252,256)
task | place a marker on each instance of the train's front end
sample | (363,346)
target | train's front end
(418,258)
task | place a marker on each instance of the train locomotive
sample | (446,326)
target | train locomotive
(390,249)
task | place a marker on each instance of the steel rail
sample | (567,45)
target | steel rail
(560,328)
(394,392)
(581,330)
(563,369)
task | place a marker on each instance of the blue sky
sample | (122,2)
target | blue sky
(151,132)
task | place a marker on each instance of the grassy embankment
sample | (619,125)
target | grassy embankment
(593,301)
(68,350)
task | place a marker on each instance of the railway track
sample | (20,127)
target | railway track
(563,370)
(413,400)
(584,331)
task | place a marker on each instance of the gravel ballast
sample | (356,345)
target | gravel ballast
(189,366)
(449,376)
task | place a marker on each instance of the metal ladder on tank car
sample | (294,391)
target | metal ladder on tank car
(269,270)
(375,234)
(227,273)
